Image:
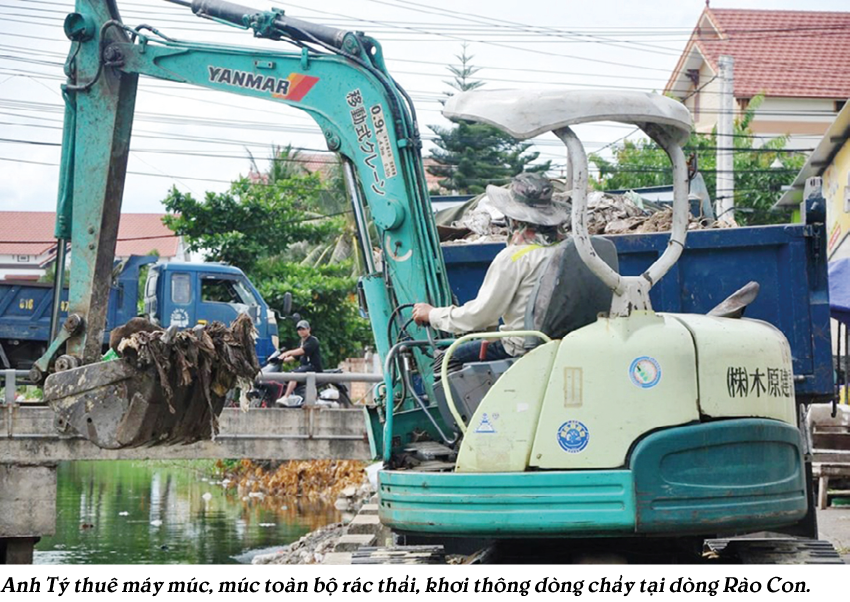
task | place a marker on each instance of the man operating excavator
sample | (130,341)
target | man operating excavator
(533,218)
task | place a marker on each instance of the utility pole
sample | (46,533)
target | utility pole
(725,142)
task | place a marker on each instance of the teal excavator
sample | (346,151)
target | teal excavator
(618,423)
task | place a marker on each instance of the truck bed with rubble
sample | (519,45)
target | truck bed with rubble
(788,261)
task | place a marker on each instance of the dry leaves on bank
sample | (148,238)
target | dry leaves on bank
(306,478)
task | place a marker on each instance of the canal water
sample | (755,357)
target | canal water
(122,512)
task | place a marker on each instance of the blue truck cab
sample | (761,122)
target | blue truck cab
(187,294)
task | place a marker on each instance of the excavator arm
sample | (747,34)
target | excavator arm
(338,77)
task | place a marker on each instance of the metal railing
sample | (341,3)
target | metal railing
(12,378)
(10,381)
(314,378)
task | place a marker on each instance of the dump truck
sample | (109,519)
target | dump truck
(180,293)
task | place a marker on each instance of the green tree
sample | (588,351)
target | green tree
(324,295)
(251,220)
(343,246)
(637,164)
(285,162)
(253,226)
(470,155)
(758,176)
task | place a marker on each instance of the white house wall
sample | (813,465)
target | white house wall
(21,266)
(805,119)
(705,117)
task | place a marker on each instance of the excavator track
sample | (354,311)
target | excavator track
(773,551)
(400,555)
(715,551)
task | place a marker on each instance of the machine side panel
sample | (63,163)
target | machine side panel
(501,432)
(538,504)
(751,378)
(611,383)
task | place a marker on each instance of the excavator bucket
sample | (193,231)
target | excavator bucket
(166,388)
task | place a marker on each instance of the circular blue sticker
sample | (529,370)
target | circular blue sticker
(573,436)
(645,372)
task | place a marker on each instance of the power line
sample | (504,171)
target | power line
(826,89)
(174,235)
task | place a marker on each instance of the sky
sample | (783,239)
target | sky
(199,140)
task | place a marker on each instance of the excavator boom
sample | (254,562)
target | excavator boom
(338,77)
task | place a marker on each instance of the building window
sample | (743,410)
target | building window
(22,258)
(839,104)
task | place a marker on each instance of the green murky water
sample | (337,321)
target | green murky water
(164,513)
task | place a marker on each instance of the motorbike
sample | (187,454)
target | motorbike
(271,394)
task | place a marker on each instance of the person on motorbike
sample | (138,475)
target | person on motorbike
(308,352)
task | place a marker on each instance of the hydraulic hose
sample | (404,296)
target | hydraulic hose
(243,16)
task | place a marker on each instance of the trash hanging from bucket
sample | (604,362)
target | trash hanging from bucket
(167,387)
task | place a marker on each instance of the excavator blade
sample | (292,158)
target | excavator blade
(163,391)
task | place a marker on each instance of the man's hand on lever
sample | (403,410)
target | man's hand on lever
(421,312)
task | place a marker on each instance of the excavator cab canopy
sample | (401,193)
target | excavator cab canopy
(529,113)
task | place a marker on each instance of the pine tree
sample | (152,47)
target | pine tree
(470,155)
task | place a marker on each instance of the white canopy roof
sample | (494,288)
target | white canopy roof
(528,113)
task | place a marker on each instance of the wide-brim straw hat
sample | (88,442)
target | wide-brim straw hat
(529,199)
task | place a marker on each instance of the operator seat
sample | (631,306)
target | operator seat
(567,296)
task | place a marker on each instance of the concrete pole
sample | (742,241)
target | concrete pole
(725,142)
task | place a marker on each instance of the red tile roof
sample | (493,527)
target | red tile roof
(432,181)
(141,233)
(31,233)
(778,52)
(26,232)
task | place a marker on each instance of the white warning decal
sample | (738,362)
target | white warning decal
(383,139)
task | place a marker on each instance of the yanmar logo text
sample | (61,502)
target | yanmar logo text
(294,87)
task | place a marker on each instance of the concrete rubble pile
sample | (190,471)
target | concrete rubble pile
(314,547)
(480,222)
(310,549)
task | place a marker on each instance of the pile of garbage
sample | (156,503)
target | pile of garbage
(478,221)
(628,214)
(195,370)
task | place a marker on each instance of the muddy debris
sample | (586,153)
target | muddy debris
(195,370)
(314,479)
(343,483)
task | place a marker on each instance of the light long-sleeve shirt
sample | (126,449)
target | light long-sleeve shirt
(504,294)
